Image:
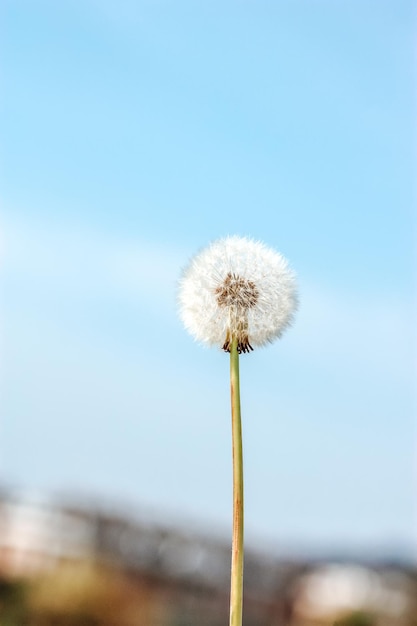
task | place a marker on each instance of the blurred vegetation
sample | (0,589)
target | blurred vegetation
(13,607)
(77,595)
(87,594)
(356,618)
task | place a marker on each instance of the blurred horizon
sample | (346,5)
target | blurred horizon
(77,564)
(175,522)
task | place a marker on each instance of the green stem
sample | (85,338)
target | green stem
(236,584)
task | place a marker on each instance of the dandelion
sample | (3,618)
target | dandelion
(237,288)
(237,294)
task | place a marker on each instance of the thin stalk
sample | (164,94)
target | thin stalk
(236,582)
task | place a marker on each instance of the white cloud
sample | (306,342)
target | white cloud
(88,263)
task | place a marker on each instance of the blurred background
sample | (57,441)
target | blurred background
(132,133)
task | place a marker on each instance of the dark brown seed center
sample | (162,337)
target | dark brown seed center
(238,292)
(238,295)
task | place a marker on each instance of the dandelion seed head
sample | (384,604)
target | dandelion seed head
(237,288)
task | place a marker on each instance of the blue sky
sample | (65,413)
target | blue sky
(132,134)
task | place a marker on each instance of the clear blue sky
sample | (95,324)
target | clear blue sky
(134,132)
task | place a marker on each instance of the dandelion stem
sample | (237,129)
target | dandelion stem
(236,583)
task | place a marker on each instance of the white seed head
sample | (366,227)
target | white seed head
(237,288)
